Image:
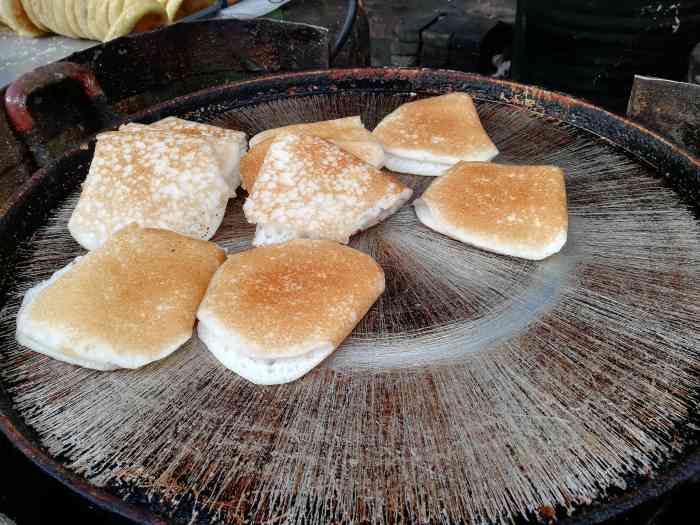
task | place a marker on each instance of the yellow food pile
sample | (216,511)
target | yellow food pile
(93,19)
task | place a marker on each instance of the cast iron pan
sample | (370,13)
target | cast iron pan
(479,389)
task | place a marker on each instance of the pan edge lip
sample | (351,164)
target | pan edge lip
(447,75)
(80,486)
(683,471)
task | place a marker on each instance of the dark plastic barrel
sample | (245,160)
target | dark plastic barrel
(593,48)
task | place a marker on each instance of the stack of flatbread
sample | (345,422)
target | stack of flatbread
(94,19)
(156,193)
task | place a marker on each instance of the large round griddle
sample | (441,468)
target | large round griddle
(480,388)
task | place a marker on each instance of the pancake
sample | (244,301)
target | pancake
(155,179)
(428,136)
(203,130)
(251,163)
(272,314)
(228,144)
(129,303)
(512,210)
(347,133)
(309,188)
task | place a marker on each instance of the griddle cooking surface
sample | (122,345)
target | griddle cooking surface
(479,387)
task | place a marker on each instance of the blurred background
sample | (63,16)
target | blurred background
(588,48)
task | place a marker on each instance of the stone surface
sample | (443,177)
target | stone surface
(402,21)
(384,16)
(404,60)
(404,48)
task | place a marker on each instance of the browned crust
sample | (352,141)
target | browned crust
(347,133)
(521,206)
(137,294)
(438,129)
(284,297)
(251,163)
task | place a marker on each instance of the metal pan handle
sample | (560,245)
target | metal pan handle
(20,113)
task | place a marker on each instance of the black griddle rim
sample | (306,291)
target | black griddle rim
(682,170)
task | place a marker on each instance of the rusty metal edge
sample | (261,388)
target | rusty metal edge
(531,93)
(100,497)
(565,108)
(21,436)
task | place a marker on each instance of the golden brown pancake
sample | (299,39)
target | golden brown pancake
(131,302)
(251,163)
(512,210)
(428,136)
(347,133)
(271,314)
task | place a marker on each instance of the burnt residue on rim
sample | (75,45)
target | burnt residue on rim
(650,147)
(30,205)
